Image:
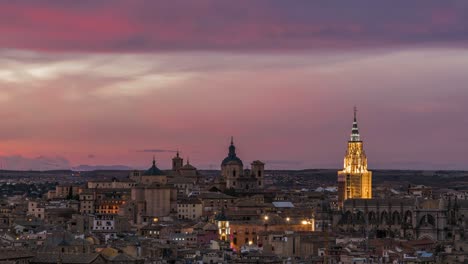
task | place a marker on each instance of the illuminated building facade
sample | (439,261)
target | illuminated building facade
(223,226)
(354,181)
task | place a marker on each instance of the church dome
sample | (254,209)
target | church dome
(232,157)
(188,166)
(153,171)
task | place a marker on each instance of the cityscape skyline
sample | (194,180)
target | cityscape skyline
(82,86)
(167,155)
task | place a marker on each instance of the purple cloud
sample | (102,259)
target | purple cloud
(140,26)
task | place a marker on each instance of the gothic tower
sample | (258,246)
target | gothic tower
(354,181)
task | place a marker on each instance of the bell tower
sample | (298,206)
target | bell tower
(232,168)
(177,162)
(258,171)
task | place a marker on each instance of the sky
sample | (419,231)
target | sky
(118,82)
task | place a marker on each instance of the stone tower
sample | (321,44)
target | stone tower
(258,171)
(354,181)
(177,162)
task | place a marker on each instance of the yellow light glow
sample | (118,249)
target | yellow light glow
(266,217)
(304,222)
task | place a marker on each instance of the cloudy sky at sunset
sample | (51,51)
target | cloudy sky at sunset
(116,82)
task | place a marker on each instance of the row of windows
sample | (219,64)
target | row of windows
(185,210)
(246,240)
(99,211)
(259,173)
(100,223)
(186,217)
(104,228)
(183,239)
(185,205)
(108,207)
(247,186)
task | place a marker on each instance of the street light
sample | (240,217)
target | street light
(310,222)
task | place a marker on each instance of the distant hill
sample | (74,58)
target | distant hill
(101,168)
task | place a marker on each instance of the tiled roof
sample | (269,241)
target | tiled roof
(14,254)
(66,258)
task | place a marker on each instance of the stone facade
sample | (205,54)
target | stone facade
(436,219)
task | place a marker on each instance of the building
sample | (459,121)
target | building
(414,218)
(152,175)
(420,191)
(214,202)
(87,200)
(36,209)
(111,184)
(63,191)
(153,196)
(234,175)
(247,232)
(223,226)
(177,162)
(155,200)
(354,181)
(191,209)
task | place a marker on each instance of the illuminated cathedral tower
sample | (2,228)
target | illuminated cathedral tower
(354,181)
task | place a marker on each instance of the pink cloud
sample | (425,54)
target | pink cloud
(139,26)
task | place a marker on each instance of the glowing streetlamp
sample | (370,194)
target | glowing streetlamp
(310,222)
(266,222)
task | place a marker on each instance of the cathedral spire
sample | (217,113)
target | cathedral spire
(232,140)
(355,137)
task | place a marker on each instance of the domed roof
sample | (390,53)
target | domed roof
(232,157)
(188,166)
(153,171)
(221,216)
